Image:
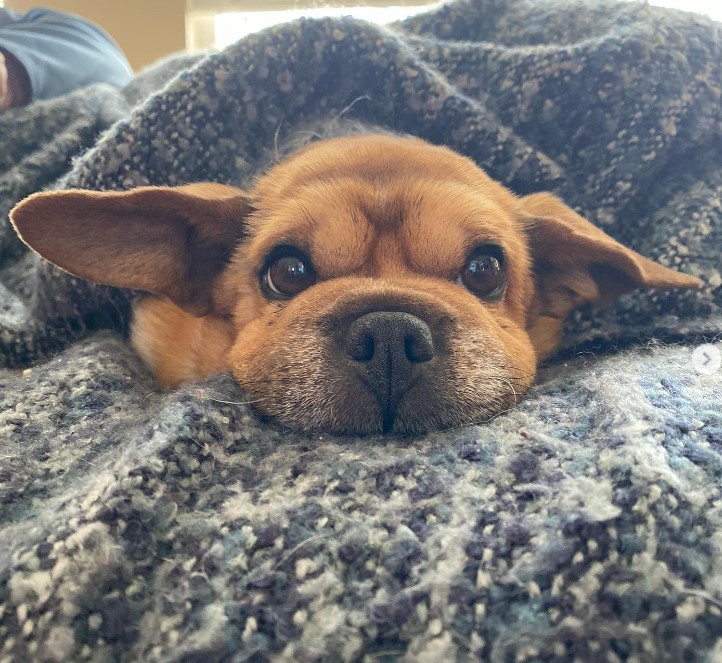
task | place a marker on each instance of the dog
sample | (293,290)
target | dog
(366,284)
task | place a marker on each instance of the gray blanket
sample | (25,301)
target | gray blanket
(583,525)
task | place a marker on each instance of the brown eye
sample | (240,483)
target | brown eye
(287,273)
(483,274)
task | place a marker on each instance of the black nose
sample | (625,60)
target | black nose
(388,347)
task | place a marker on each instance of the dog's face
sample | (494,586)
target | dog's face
(367,284)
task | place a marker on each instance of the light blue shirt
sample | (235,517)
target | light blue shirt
(61,52)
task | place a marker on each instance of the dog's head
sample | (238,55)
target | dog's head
(366,284)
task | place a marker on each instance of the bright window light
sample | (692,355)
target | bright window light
(231,26)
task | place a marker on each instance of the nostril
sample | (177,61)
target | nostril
(360,343)
(361,346)
(419,346)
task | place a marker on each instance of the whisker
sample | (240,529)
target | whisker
(343,112)
(218,400)
(275,141)
(306,214)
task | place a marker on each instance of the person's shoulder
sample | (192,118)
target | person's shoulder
(42,16)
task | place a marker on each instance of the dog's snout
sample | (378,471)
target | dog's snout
(387,348)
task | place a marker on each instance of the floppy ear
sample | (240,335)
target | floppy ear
(575,262)
(167,240)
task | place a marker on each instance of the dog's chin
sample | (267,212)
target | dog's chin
(418,413)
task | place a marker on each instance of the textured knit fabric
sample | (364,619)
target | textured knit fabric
(584,525)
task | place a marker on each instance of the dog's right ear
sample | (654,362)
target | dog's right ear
(167,240)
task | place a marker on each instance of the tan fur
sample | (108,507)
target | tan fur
(388,224)
(178,346)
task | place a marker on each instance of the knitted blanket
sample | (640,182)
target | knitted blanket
(585,524)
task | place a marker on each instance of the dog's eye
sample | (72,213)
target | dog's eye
(483,274)
(287,273)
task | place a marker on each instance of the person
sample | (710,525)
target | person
(45,54)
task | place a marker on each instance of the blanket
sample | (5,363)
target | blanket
(585,524)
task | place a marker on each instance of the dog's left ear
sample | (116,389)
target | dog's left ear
(575,262)
(172,241)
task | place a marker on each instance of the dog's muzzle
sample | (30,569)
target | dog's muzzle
(388,350)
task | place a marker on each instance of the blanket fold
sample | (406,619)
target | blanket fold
(138,524)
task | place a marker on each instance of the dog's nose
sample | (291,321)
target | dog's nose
(388,347)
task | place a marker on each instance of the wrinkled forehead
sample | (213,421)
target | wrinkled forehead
(373,206)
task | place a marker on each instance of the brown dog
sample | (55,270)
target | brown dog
(367,284)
